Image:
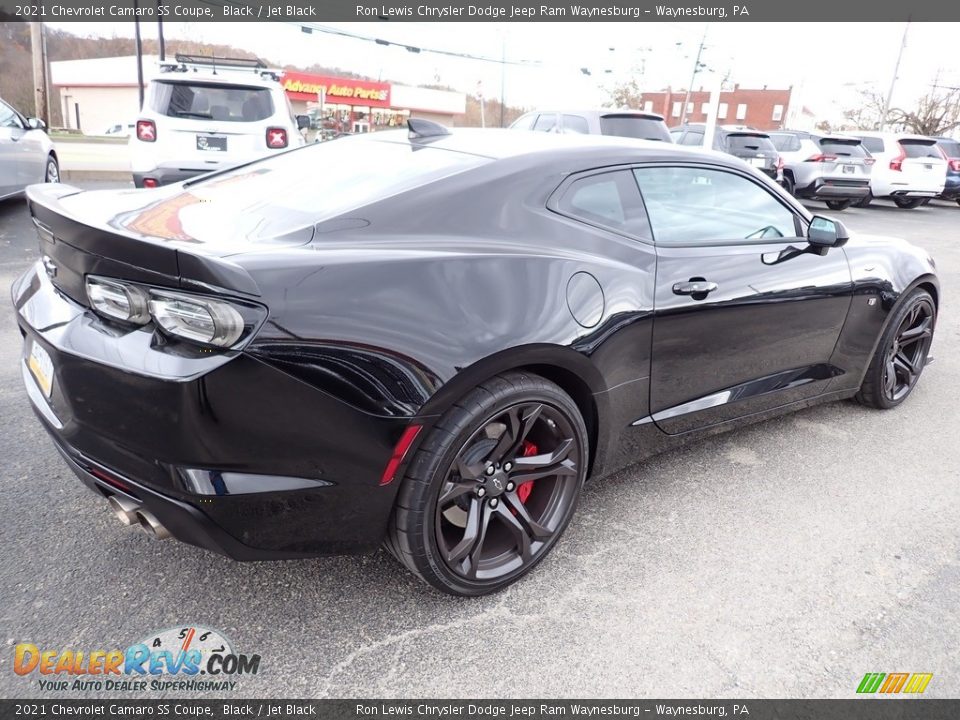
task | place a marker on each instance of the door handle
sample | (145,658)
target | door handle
(694,287)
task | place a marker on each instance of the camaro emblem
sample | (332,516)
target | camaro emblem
(49,265)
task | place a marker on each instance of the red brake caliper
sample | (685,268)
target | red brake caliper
(524,489)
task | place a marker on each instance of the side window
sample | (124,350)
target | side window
(693,137)
(525,122)
(547,122)
(691,206)
(873,144)
(608,199)
(675,135)
(9,117)
(575,124)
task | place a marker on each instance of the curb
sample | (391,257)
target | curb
(112,175)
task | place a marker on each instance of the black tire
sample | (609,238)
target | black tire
(52,170)
(901,353)
(789,185)
(839,205)
(958,201)
(908,203)
(865,202)
(458,457)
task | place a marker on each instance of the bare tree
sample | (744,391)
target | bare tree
(626,95)
(868,112)
(936,113)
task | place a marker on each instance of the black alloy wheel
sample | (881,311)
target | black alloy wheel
(493,486)
(902,353)
(839,205)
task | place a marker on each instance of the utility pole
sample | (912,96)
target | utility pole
(503,75)
(163,45)
(139,46)
(693,76)
(39,51)
(893,80)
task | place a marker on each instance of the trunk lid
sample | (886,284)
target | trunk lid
(175,236)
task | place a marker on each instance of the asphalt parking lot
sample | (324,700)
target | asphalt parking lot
(783,560)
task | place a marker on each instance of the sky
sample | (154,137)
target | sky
(825,63)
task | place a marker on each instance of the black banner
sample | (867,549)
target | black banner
(860,11)
(857,709)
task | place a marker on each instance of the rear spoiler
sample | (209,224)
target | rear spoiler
(189,270)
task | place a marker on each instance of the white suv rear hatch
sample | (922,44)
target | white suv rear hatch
(226,124)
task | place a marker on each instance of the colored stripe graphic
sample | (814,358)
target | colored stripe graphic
(870,682)
(894,682)
(918,682)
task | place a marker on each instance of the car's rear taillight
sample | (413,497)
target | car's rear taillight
(779,163)
(146,130)
(821,158)
(955,164)
(150,183)
(276,138)
(869,161)
(897,162)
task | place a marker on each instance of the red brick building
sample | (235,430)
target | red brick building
(763,109)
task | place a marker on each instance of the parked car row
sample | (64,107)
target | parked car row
(841,170)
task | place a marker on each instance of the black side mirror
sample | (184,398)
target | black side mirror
(826,233)
(303,122)
(36,124)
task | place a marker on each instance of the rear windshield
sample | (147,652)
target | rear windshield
(873,144)
(844,148)
(367,171)
(920,149)
(634,126)
(950,147)
(747,143)
(205,101)
(785,142)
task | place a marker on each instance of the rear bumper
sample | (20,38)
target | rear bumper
(232,455)
(166,176)
(835,189)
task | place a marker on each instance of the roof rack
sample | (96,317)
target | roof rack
(215,61)
(185,62)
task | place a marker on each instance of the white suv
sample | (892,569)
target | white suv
(203,113)
(909,169)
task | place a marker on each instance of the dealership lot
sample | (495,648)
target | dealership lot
(787,559)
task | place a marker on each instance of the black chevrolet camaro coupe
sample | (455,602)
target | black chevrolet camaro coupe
(431,339)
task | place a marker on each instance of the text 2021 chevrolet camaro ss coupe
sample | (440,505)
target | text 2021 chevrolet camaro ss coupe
(432,339)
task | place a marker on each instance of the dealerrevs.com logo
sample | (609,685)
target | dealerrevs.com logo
(189,659)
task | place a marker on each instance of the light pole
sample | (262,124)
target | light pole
(893,80)
(693,76)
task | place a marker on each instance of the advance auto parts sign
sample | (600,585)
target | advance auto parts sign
(301,86)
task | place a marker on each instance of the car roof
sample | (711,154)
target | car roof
(890,135)
(810,134)
(249,79)
(729,129)
(601,112)
(596,150)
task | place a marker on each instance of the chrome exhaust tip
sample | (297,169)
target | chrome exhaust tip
(124,509)
(151,525)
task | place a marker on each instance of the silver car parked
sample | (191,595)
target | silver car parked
(832,168)
(27,154)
